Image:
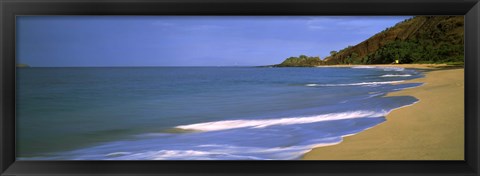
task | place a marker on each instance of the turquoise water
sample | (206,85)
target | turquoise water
(146,113)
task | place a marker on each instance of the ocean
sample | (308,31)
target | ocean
(199,113)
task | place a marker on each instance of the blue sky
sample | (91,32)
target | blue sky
(56,41)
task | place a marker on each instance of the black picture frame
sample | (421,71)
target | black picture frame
(12,8)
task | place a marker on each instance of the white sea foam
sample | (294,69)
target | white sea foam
(232,124)
(374,95)
(392,68)
(354,84)
(380,67)
(393,75)
(186,155)
(364,67)
(311,85)
(227,153)
(116,154)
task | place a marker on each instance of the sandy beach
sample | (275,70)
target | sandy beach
(431,129)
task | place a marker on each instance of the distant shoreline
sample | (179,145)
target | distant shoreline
(431,129)
(420,66)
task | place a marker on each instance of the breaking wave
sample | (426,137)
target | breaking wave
(353,84)
(232,124)
(393,75)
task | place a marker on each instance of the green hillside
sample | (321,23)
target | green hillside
(301,61)
(421,39)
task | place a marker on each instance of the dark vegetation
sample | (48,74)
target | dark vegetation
(301,61)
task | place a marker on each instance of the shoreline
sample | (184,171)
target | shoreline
(416,66)
(414,132)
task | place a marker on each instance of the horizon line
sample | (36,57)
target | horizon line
(137,66)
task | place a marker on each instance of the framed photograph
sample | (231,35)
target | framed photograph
(311,87)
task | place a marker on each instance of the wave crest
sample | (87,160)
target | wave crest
(353,84)
(232,124)
(384,68)
(393,75)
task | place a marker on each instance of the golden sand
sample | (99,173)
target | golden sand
(431,129)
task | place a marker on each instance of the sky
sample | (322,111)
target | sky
(102,41)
